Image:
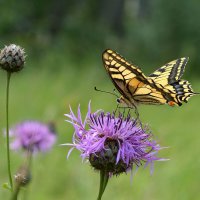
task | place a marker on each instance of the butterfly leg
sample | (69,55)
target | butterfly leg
(136,111)
(116,109)
(129,109)
(137,115)
(128,114)
(124,111)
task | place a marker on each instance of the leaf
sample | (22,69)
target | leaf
(6,186)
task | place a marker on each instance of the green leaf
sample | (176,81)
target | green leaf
(6,186)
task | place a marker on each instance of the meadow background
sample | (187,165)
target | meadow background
(64,41)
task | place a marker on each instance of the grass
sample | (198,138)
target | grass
(44,94)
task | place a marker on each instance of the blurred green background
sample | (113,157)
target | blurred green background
(64,41)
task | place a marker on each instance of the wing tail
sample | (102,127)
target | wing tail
(182,91)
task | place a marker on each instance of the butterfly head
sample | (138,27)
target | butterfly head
(122,100)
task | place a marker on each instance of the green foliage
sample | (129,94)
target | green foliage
(150,33)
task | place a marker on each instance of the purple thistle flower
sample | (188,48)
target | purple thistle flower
(112,143)
(32,136)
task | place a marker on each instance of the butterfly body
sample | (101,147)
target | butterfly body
(164,86)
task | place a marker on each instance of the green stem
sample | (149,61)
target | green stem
(16,192)
(103,183)
(106,177)
(29,163)
(7,129)
(24,172)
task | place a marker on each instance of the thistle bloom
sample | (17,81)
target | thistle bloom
(32,136)
(111,142)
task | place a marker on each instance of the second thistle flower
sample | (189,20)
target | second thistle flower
(32,136)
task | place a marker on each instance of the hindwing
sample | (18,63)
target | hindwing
(170,72)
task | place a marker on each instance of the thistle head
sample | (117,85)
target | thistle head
(112,142)
(32,136)
(12,58)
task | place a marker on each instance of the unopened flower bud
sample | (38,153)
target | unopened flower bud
(23,176)
(12,58)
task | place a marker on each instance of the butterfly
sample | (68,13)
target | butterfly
(164,86)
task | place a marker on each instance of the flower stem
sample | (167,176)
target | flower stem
(28,164)
(103,183)
(23,181)
(16,192)
(106,177)
(7,129)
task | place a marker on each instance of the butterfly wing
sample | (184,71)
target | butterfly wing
(149,95)
(170,72)
(180,91)
(168,80)
(129,80)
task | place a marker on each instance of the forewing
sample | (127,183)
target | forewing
(122,73)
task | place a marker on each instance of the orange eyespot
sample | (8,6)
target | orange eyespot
(171,103)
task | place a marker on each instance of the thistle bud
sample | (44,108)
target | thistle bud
(12,58)
(23,176)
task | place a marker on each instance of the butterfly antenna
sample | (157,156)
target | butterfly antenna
(113,93)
